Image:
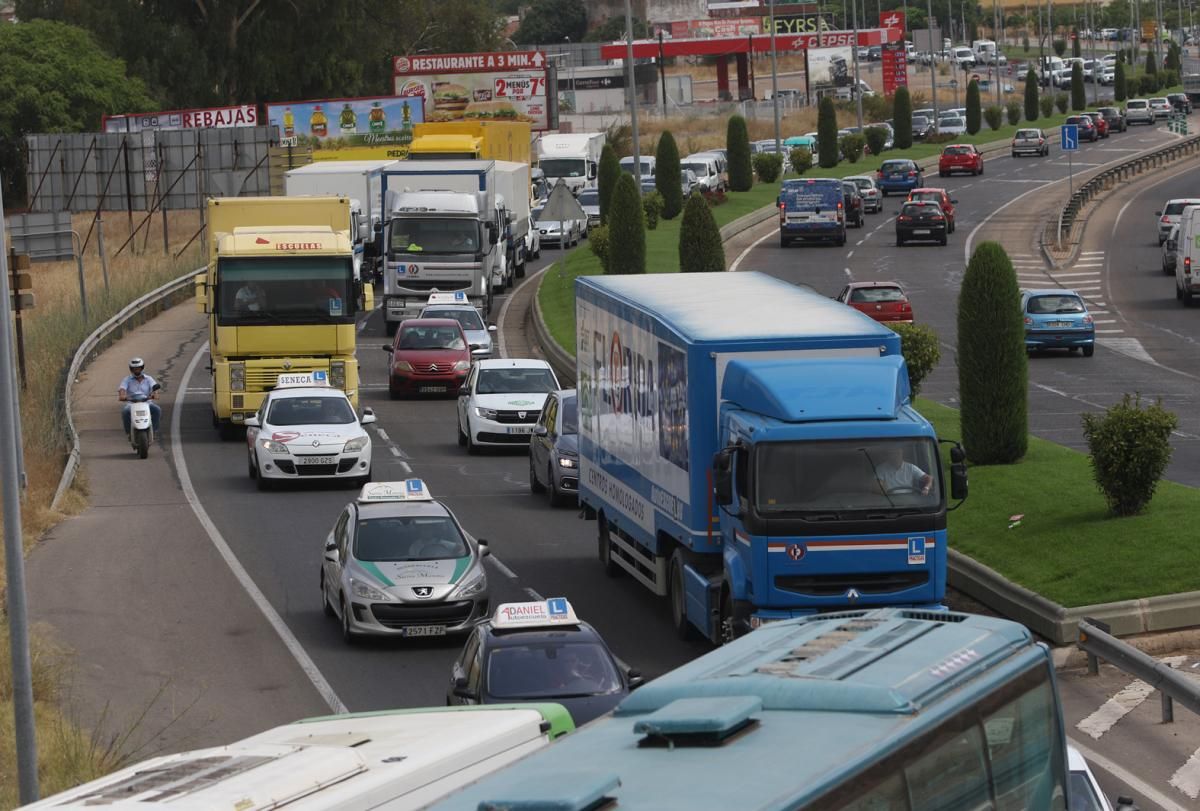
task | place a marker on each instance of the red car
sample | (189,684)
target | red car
(883,301)
(429,355)
(1101,123)
(940,197)
(960,158)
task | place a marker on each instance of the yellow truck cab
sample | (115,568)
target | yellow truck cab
(471,140)
(281,297)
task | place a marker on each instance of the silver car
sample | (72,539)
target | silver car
(397,563)
(554,449)
(1030,141)
(563,233)
(478,334)
(872,199)
(589,199)
(1137,111)
(1161,107)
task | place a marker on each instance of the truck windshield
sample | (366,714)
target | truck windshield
(563,167)
(847,476)
(285,290)
(430,236)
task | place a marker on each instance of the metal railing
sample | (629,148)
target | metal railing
(1171,684)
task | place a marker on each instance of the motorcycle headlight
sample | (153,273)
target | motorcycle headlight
(567,461)
(402,366)
(271,446)
(485,413)
(237,377)
(356,444)
(337,374)
(474,584)
(360,588)
(462,366)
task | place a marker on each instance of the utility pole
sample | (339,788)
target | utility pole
(999,47)
(775,75)
(633,100)
(933,58)
(857,80)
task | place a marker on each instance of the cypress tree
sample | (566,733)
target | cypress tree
(902,118)
(1076,46)
(1119,82)
(827,134)
(668,178)
(737,147)
(1032,113)
(992,363)
(1151,62)
(626,228)
(700,248)
(610,170)
(1078,94)
(974,112)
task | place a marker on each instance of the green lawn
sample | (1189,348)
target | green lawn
(1066,548)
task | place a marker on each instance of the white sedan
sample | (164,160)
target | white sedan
(305,430)
(501,400)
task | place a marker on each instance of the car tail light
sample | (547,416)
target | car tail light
(1041,141)
(1087,319)
(841,205)
(1028,321)
(879,174)
(912,174)
(904,308)
(1165,219)
(1187,264)
(904,218)
(937,218)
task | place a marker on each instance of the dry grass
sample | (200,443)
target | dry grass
(787,63)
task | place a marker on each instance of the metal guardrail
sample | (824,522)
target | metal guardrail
(1172,685)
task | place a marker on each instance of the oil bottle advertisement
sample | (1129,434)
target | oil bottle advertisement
(349,129)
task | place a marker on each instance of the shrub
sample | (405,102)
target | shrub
(652,206)
(714,198)
(1046,103)
(851,146)
(876,138)
(827,137)
(1062,101)
(700,248)
(1119,84)
(1148,84)
(610,170)
(1060,47)
(1076,47)
(598,243)
(668,178)
(1151,62)
(1078,95)
(902,118)
(919,345)
(992,364)
(1167,78)
(1130,446)
(801,159)
(737,147)
(1031,96)
(994,115)
(1172,61)
(973,107)
(626,228)
(1025,42)
(1131,87)
(768,166)
(1013,111)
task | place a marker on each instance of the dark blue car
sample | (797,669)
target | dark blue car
(899,175)
(1057,319)
(812,208)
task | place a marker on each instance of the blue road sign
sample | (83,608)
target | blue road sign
(1070,137)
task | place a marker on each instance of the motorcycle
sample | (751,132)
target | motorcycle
(141,424)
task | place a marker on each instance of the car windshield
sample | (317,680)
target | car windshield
(953,122)
(847,476)
(1083,796)
(1177,207)
(434,236)
(920,121)
(871,295)
(864,183)
(468,318)
(589,197)
(563,167)
(396,539)
(515,381)
(285,290)
(1043,305)
(1028,134)
(430,337)
(311,411)
(570,415)
(551,670)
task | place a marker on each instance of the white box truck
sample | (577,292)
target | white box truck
(358,180)
(574,157)
(512,195)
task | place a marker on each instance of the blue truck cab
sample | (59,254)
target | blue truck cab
(749,450)
(812,208)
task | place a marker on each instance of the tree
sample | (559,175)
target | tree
(1031,96)
(974,110)
(992,364)
(1151,62)
(902,118)
(700,247)
(1076,46)
(626,228)
(737,148)
(668,178)
(552,21)
(606,181)
(1078,92)
(613,29)
(1119,82)
(1060,47)
(827,134)
(55,78)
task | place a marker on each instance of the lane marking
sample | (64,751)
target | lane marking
(406,467)
(322,685)
(537,598)
(394,451)
(734,266)
(1128,778)
(1121,704)
(504,570)
(851,253)
(383,435)
(1074,275)
(849,275)
(1187,776)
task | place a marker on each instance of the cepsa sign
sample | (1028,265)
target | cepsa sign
(244,115)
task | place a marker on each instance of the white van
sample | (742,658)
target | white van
(1187,257)
(707,169)
(646,162)
(963,57)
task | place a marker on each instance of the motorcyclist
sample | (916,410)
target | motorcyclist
(136,386)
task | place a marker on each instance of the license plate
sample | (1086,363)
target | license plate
(431,388)
(425,630)
(1059,323)
(520,429)
(920,231)
(316,460)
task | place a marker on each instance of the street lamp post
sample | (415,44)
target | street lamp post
(629,79)
(857,80)
(775,78)
(932,59)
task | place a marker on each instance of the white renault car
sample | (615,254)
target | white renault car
(501,400)
(306,429)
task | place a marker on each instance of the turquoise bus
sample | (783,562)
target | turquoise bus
(877,710)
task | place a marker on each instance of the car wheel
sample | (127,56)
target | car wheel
(1187,297)
(784,241)
(1014,154)
(941,173)
(1088,351)
(325,606)
(264,484)
(462,437)
(676,594)
(1178,291)
(535,486)
(981,168)
(390,327)
(348,636)
(394,393)
(1167,271)
(472,448)
(604,546)
(556,498)
(942,241)
(251,469)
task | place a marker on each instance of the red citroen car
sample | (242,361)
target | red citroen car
(883,301)
(960,158)
(429,356)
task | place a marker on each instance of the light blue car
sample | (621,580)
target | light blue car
(1057,319)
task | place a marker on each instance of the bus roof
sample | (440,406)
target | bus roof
(790,709)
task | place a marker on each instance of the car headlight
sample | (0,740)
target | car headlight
(337,374)
(462,366)
(360,588)
(473,584)
(356,444)
(271,446)
(485,413)
(567,461)
(402,366)
(237,377)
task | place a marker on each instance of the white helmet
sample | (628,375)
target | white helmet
(136,363)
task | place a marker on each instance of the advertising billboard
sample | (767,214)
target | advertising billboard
(242,115)
(797,24)
(714,28)
(377,127)
(829,67)
(501,86)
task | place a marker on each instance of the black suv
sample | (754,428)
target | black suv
(1180,103)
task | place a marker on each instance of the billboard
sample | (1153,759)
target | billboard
(242,115)
(828,67)
(715,28)
(797,24)
(348,129)
(502,86)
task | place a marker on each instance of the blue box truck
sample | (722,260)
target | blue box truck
(748,450)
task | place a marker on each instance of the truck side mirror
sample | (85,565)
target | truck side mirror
(723,475)
(1125,804)
(493,233)
(958,481)
(591,171)
(377,227)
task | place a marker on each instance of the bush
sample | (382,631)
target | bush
(827,137)
(851,146)
(1130,447)
(992,364)
(1013,111)
(801,159)
(919,345)
(1076,47)
(668,178)
(1078,94)
(652,206)
(1060,47)
(598,243)
(1046,105)
(1062,101)
(737,147)
(902,118)
(994,115)
(714,198)
(700,248)
(626,228)
(610,170)
(876,138)
(973,107)
(1119,84)
(1151,62)
(1167,78)
(1131,87)
(1148,84)
(768,166)
(1031,96)
(1025,42)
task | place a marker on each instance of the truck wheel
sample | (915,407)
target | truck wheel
(521,271)
(734,617)
(611,569)
(675,593)
(784,241)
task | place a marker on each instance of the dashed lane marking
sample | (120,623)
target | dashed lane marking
(1121,704)
(504,570)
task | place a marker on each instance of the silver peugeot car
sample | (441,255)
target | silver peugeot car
(554,449)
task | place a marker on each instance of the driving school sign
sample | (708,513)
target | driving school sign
(500,86)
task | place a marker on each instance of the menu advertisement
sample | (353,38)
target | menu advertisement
(502,86)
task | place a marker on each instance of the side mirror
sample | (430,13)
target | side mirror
(540,430)
(377,227)
(368,417)
(461,688)
(1125,804)
(484,549)
(953,201)
(491,327)
(388,348)
(635,678)
(493,233)
(958,481)
(252,422)
(464,391)
(723,475)
(156,387)
(1158,214)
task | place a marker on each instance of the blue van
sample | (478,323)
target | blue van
(812,208)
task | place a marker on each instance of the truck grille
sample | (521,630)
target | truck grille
(264,378)
(834,585)
(515,418)
(444,285)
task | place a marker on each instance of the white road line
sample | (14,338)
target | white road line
(1129,347)
(1109,331)
(1106,321)
(1128,778)
(289,640)
(383,434)
(1121,704)
(859,243)
(851,253)
(504,570)
(1020,180)
(406,467)
(1091,253)
(534,595)
(1187,776)
(849,275)
(1075,275)
(734,265)
(394,451)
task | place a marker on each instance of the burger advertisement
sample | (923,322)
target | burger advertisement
(505,86)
